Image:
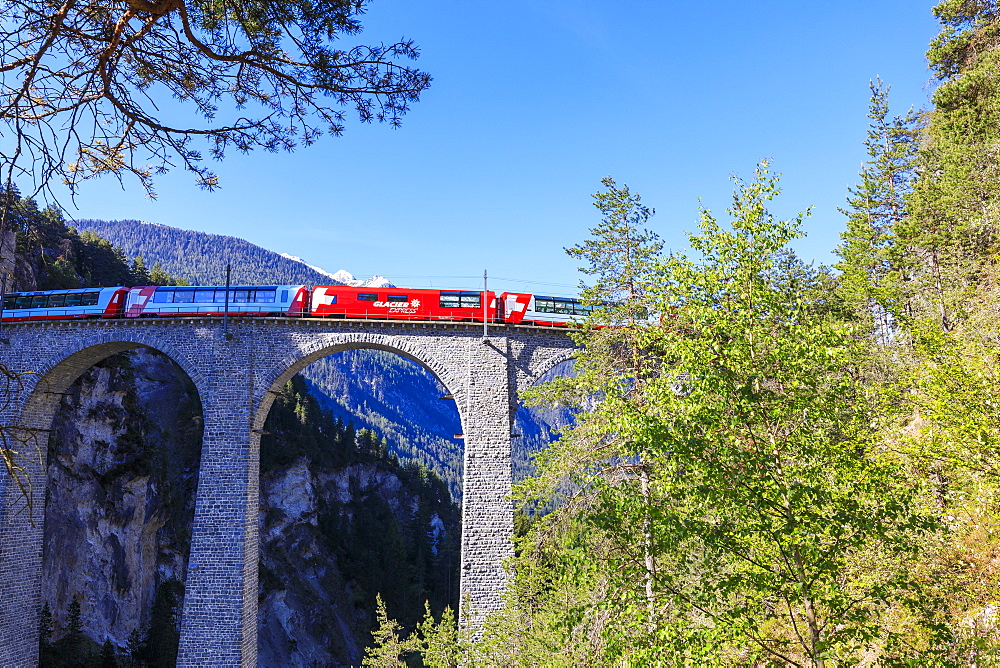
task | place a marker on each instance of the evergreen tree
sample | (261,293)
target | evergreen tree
(140,275)
(940,414)
(74,648)
(109,657)
(45,630)
(618,253)
(163,635)
(952,228)
(872,262)
(438,642)
(135,648)
(157,276)
(388,648)
(622,255)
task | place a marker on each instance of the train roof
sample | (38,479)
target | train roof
(66,291)
(557,299)
(222,287)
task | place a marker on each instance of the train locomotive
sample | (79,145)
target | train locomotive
(295,301)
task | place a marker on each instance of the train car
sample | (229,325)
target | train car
(542,310)
(64,304)
(324,301)
(199,300)
(339,301)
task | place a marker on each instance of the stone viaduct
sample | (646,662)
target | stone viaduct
(237,378)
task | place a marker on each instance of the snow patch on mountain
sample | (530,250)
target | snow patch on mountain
(344,277)
(378,281)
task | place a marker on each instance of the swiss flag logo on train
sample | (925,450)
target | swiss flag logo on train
(137,299)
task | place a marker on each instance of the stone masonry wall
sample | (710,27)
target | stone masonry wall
(237,378)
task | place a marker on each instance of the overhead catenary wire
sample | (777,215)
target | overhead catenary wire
(473,282)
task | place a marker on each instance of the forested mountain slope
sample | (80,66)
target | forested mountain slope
(49,255)
(400,400)
(201,258)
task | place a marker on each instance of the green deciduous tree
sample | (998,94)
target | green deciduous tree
(728,504)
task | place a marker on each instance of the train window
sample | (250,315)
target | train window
(220,296)
(23,301)
(183,296)
(561,305)
(74,299)
(38,301)
(163,295)
(330,299)
(543,305)
(457,299)
(367,297)
(240,296)
(204,296)
(397,298)
(8,302)
(284,296)
(57,301)
(90,298)
(264,296)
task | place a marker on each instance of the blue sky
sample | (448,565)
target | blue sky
(534,102)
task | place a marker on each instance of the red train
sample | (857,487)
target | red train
(295,301)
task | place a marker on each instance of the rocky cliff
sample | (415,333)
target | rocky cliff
(122,467)
(331,540)
(341,520)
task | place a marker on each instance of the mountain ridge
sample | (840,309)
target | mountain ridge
(201,257)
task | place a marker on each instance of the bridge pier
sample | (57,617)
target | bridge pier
(487,509)
(219,618)
(26,420)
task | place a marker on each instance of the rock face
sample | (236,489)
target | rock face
(339,524)
(340,519)
(308,612)
(122,467)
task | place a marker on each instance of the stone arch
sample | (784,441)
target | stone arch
(317,348)
(548,364)
(426,352)
(31,415)
(64,367)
